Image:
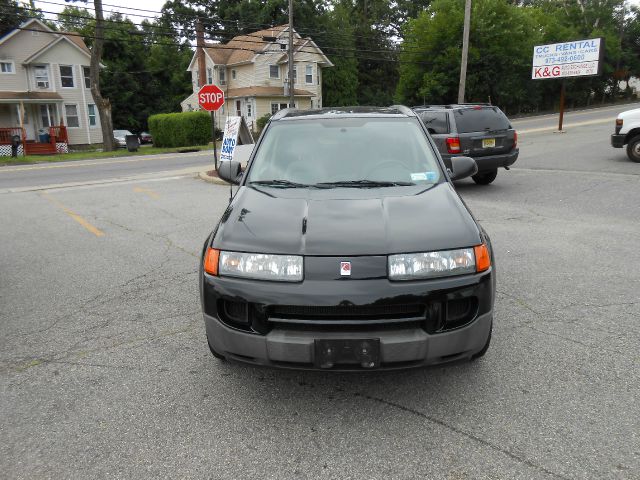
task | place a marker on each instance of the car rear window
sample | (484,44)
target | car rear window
(436,122)
(479,119)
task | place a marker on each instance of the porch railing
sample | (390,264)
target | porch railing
(58,134)
(7,134)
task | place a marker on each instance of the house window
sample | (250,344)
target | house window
(222,75)
(71,112)
(283,46)
(249,112)
(91,110)
(209,76)
(45,115)
(6,67)
(233,74)
(274,71)
(318,77)
(42,76)
(87,76)
(312,104)
(308,77)
(278,106)
(66,76)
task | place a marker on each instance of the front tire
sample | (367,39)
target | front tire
(633,149)
(485,178)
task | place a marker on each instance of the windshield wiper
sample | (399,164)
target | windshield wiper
(363,184)
(279,183)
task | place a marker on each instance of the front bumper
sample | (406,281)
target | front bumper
(398,349)
(402,344)
(617,140)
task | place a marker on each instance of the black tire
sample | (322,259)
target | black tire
(633,149)
(214,352)
(485,178)
(485,348)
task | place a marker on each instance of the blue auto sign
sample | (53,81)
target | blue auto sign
(578,58)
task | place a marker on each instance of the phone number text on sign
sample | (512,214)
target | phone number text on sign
(566,70)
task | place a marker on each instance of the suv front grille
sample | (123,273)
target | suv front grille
(345,314)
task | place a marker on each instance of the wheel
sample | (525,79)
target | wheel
(485,178)
(633,149)
(485,348)
(214,352)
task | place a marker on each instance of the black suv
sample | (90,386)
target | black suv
(347,247)
(479,131)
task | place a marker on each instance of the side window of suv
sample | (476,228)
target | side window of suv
(436,122)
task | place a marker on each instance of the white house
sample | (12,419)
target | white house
(44,90)
(253,71)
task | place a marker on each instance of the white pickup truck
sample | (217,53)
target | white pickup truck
(628,133)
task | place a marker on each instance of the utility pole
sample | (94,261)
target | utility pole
(465,50)
(202,81)
(292,100)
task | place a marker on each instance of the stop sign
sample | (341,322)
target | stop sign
(210,97)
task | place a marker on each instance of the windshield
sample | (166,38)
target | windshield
(356,152)
(121,133)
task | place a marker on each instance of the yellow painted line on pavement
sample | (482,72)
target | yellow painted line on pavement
(570,125)
(96,231)
(72,164)
(152,193)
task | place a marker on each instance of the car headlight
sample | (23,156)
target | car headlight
(258,266)
(415,266)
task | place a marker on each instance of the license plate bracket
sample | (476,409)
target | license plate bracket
(488,142)
(364,352)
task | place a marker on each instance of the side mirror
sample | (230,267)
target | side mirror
(463,167)
(229,171)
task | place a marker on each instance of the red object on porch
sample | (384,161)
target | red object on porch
(57,134)
(6,134)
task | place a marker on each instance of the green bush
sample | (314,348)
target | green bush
(180,129)
(262,121)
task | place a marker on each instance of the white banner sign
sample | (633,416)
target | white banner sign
(567,59)
(231,128)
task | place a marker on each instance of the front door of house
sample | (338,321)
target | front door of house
(27,122)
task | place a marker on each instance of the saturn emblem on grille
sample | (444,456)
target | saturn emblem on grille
(345,269)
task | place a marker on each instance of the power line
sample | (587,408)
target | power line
(219,21)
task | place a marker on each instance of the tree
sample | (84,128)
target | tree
(102,103)
(12,15)
(501,41)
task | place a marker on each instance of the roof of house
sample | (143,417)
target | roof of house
(243,48)
(73,37)
(30,96)
(264,92)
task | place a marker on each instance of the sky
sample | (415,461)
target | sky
(136,16)
(108,6)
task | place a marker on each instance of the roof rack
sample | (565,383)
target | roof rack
(404,110)
(283,113)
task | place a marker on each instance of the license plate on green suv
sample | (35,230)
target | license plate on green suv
(488,142)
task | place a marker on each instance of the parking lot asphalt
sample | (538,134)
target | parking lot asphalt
(105,370)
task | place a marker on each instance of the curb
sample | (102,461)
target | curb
(211,179)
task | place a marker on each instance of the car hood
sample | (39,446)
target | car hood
(635,113)
(340,222)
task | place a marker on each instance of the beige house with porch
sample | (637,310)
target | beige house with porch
(253,71)
(44,90)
